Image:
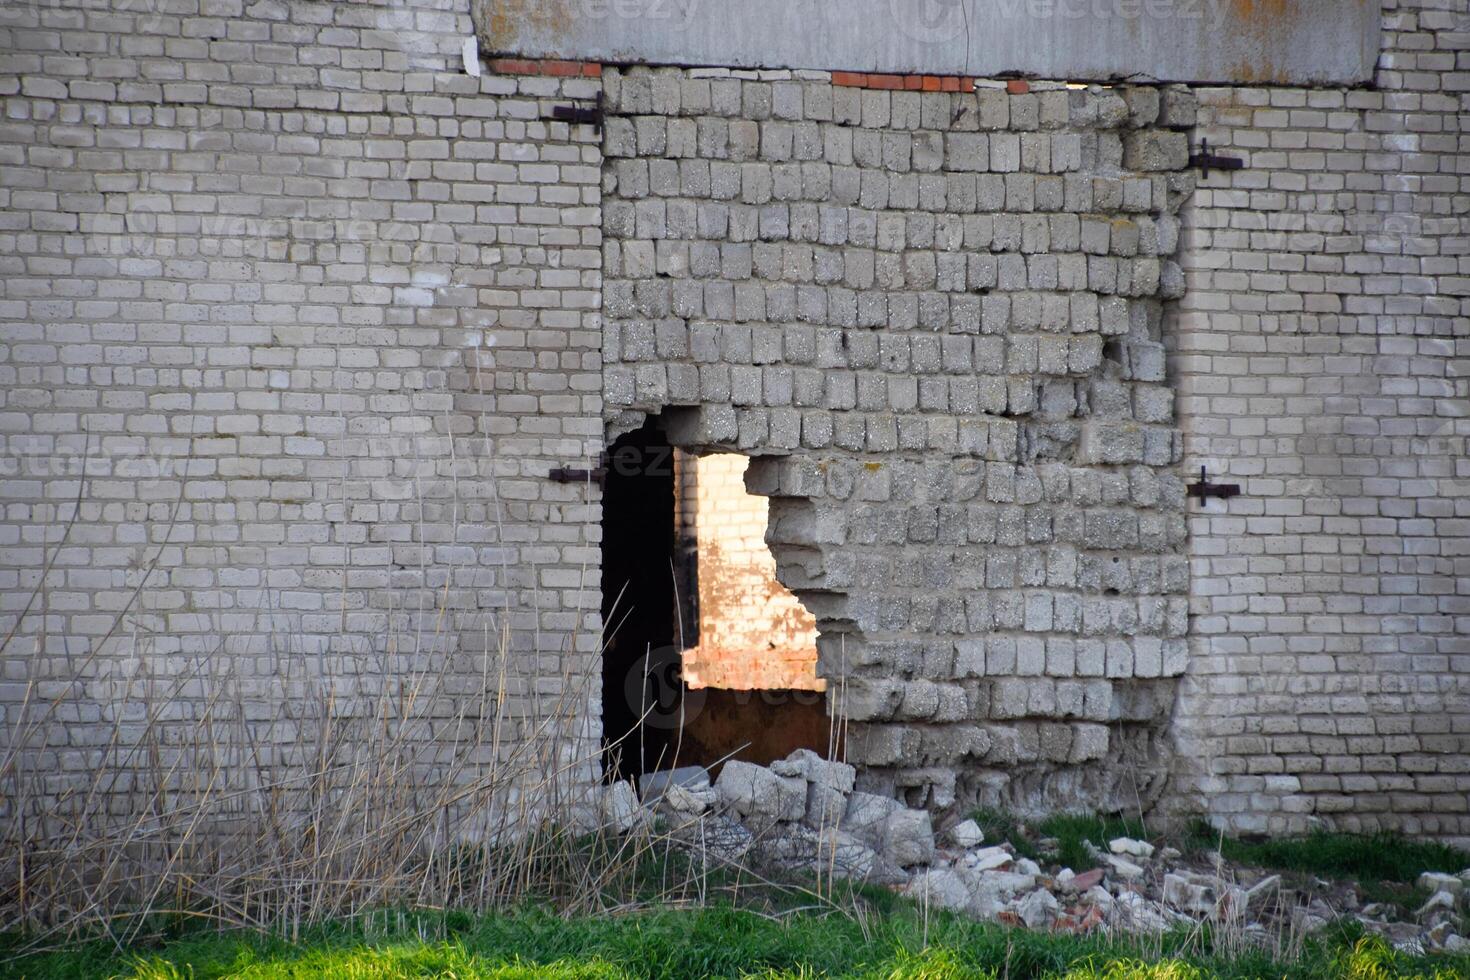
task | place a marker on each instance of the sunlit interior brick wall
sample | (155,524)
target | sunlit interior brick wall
(753,633)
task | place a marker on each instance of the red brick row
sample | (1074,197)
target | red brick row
(911,83)
(533,66)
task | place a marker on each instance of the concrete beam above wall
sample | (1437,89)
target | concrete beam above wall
(1287,42)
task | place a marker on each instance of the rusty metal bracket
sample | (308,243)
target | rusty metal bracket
(580,115)
(1204,160)
(1204,489)
(567,474)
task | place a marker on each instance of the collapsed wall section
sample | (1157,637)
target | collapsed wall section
(933,318)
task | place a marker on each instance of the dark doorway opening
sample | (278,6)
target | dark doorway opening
(641,691)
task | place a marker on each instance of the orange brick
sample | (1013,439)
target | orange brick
(885,81)
(930,83)
(592,69)
(561,68)
(512,66)
(967,84)
(1018,86)
(949,83)
(854,79)
(913,82)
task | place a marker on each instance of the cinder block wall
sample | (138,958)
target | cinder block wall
(1322,353)
(934,322)
(313,311)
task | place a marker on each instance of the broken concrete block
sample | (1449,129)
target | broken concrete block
(908,837)
(989,858)
(1187,896)
(1131,847)
(687,800)
(1038,909)
(619,807)
(941,887)
(1155,150)
(1434,881)
(652,785)
(1124,868)
(867,815)
(825,806)
(1178,107)
(812,767)
(761,796)
(966,834)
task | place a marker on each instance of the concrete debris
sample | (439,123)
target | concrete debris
(1131,847)
(1038,909)
(989,858)
(1186,895)
(1438,901)
(802,814)
(1124,868)
(652,785)
(967,834)
(759,795)
(939,886)
(619,810)
(1434,881)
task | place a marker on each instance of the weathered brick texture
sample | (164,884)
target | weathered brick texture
(297,312)
(313,311)
(1323,362)
(934,320)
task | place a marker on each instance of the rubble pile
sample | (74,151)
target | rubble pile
(804,814)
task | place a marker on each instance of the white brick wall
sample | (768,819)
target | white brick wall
(1322,353)
(314,311)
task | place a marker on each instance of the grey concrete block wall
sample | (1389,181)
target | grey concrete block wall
(1323,361)
(933,319)
(301,314)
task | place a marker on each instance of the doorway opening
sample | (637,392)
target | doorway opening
(706,656)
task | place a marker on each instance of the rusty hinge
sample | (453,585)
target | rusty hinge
(579,115)
(1204,160)
(567,474)
(1204,489)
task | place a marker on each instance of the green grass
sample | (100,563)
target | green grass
(1382,857)
(1001,826)
(1072,831)
(1069,830)
(1385,866)
(718,941)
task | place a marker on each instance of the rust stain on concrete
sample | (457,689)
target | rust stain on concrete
(508,22)
(1263,23)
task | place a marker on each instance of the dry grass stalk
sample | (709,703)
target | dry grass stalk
(370,779)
